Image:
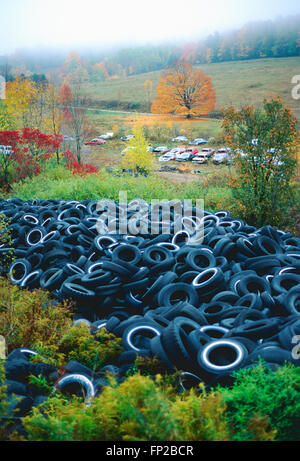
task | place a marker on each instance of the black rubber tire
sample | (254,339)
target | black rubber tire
(222,356)
(143,329)
(260,329)
(175,344)
(187,293)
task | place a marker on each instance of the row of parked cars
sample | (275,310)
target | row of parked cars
(183,154)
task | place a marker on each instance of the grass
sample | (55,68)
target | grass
(237,83)
(58,183)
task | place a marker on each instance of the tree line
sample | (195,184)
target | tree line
(262,39)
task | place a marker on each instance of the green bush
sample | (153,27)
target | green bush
(262,405)
(78,343)
(136,410)
(264,175)
(3,403)
(264,401)
(28,318)
(94,352)
(7,253)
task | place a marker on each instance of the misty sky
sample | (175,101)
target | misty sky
(70,23)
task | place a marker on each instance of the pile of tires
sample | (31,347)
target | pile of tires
(77,379)
(208,309)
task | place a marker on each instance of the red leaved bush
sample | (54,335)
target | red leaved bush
(79,169)
(31,148)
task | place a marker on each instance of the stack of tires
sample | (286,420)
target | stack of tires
(206,306)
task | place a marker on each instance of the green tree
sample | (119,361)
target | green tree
(138,158)
(6,120)
(265,141)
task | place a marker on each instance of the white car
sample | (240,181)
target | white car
(179,139)
(126,138)
(168,156)
(106,136)
(161,149)
(198,141)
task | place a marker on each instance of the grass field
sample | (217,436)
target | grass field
(240,82)
(236,83)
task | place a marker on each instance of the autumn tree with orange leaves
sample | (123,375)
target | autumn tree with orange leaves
(184,90)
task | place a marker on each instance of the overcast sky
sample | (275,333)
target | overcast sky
(70,23)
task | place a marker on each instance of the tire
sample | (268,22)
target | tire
(96,279)
(251,284)
(77,384)
(188,311)
(291,301)
(32,280)
(285,282)
(260,329)
(126,253)
(272,354)
(19,270)
(222,356)
(159,283)
(250,300)
(52,279)
(76,291)
(155,254)
(145,330)
(159,352)
(208,280)
(213,311)
(188,381)
(187,293)
(35,236)
(200,259)
(287,334)
(266,246)
(175,344)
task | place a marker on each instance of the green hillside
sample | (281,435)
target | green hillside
(239,82)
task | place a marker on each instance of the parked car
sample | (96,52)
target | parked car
(198,142)
(6,150)
(180,139)
(203,155)
(200,159)
(126,138)
(95,142)
(161,149)
(168,156)
(185,157)
(206,153)
(221,156)
(192,150)
(177,150)
(106,136)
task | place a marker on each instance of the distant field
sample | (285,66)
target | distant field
(237,83)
